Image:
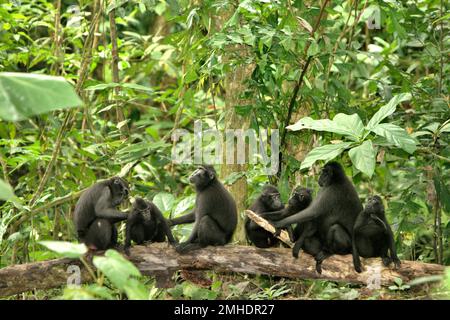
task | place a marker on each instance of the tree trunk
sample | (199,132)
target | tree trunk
(234,87)
(161,260)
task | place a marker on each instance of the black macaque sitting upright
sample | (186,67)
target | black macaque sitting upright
(215,212)
(264,205)
(146,223)
(372,235)
(333,211)
(96,213)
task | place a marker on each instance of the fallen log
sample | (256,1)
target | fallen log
(162,261)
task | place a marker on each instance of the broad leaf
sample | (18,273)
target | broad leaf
(327,152)
(164,201)
(120,272)
(184,205)
(397,136)
(387,110)
(23,95)
(351,122)
(6,192)
(67,249)
(343,124)
(363,157)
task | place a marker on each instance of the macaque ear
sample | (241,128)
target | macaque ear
(211,174)
(116,181)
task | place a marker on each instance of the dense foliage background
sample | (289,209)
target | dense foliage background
(145,68)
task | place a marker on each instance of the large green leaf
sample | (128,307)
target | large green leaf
(6,192)
(352,122)
(326,153)
(363,157)
(164,201)
(116,268)
(23,95)
(387,110)
(184,205)
(343,124)
(397,136)
(66,249)
(120,272)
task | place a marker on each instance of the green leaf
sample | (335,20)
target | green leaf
(352,123)
(164,201)
(363,157)
(343,124)
(102,86)
(313,49)
(160,8)
(23,95)
(387,110)
(327,152)
(184,205)
(6,192)
(114,5)
(397,136)
(120,272)
(138,150)
(137,87)
(67,249)
(190,76)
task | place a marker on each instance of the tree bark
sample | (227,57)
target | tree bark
(161,260)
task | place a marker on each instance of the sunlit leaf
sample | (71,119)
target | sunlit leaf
(6,192)
(387,110)
(397,136)
(164,201)
(67,249)
(343,124)
(23,95)
(363,157)
(327,152)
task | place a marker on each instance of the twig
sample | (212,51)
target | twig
(263,223)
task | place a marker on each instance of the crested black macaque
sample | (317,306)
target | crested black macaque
(334,210)
(305,235)
(146,223)
(96,213)
(267,202)
(214,215)
(372,235)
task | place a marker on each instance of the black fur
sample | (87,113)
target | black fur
(267,202)
(334,211)
(146,223)
(372,235)
(96,213)
(215,212)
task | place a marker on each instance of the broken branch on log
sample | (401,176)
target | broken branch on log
(263,223)
(161,261)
